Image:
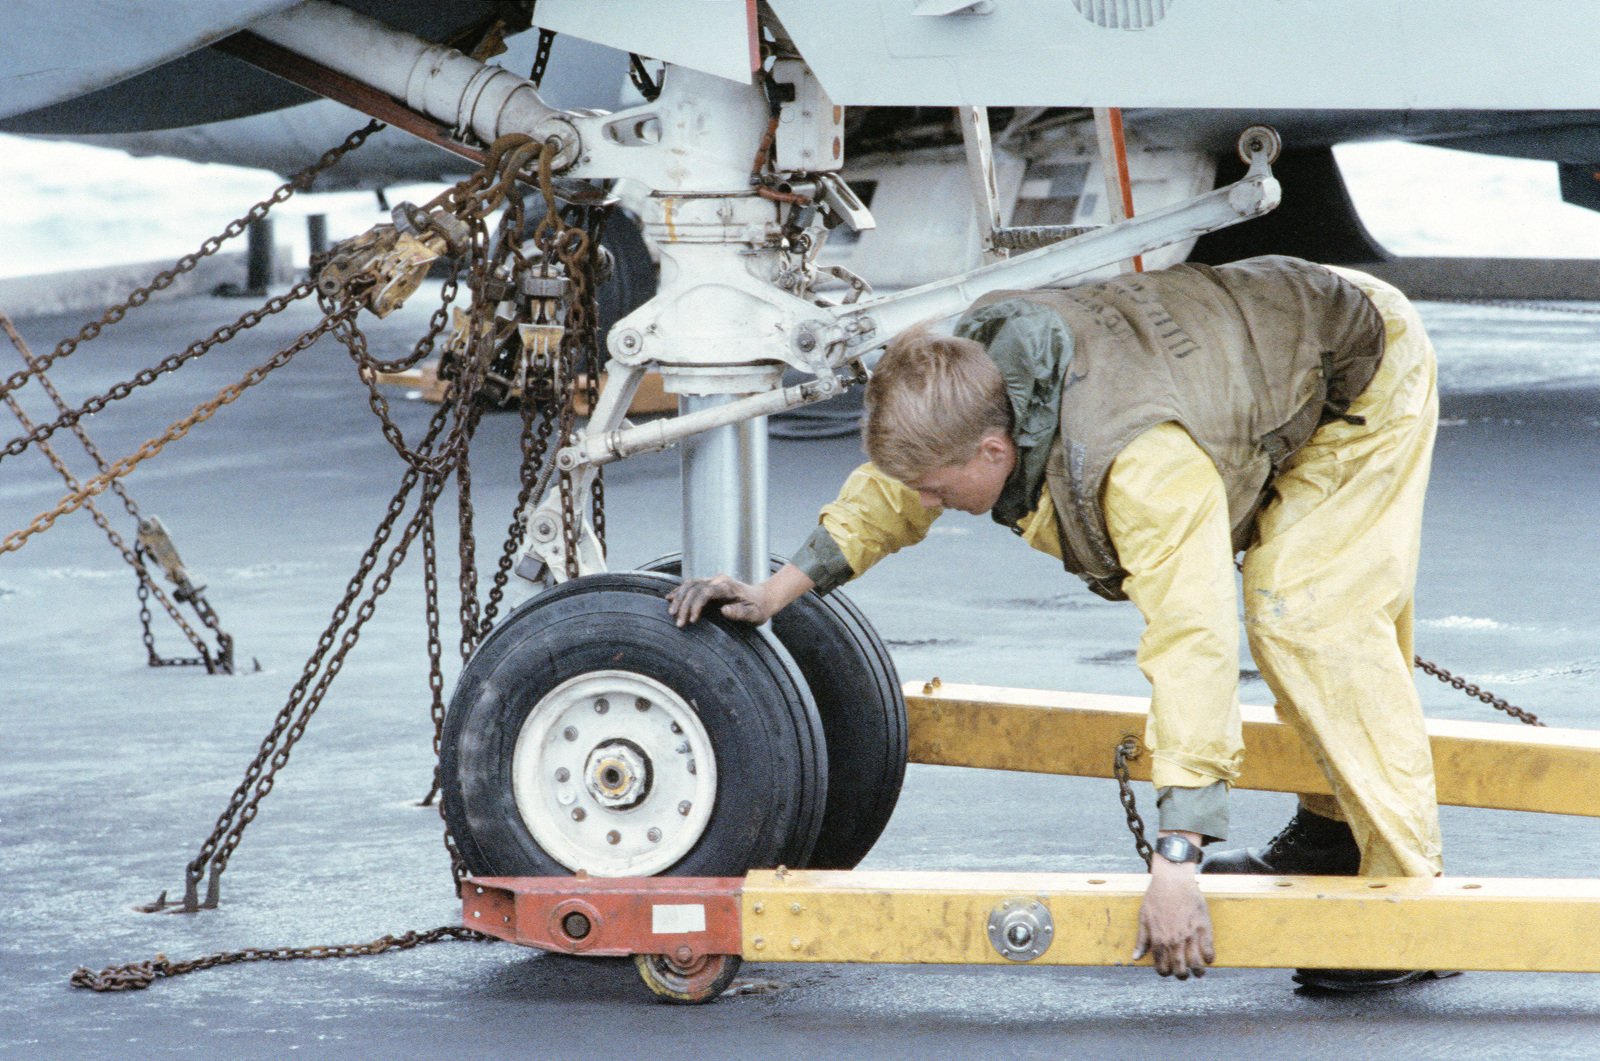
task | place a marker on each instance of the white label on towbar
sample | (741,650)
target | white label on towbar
(670,919)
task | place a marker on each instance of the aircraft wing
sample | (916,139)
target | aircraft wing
(1358,54)
(75,68)
(53,51)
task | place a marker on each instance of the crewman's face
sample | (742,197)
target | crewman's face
(974,485)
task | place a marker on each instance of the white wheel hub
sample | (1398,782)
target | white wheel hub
(614,774)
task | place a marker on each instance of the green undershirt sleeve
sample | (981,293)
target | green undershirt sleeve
(822,561)
(1201,810)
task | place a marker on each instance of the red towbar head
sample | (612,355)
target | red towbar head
(684,918)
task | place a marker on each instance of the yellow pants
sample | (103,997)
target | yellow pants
(1328,602)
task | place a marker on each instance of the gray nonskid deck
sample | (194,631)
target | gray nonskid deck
(111,772)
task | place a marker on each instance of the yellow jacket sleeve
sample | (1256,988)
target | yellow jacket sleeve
(1167,513)
(873,516)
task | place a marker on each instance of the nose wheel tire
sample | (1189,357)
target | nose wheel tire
(589,733)
(857,693)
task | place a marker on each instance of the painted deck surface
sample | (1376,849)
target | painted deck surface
(111,772)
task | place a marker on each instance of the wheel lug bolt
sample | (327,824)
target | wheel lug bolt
(683,808)
(654,836)
(578,814)
(642,704)
(601,706)
(691,766)
(613,837)
(677,728)
(562,775)
(570,733)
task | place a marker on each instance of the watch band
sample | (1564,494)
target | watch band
(1178,849)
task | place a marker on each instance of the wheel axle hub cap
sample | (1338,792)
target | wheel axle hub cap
(614,774)
(618,774)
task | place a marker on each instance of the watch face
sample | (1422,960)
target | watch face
(1177,849)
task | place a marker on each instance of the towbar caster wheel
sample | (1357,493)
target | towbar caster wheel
(693,983)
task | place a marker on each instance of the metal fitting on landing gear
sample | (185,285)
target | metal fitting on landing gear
(414,221)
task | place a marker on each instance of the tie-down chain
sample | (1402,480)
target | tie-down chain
(528,337)
(220,658)
(1129,747)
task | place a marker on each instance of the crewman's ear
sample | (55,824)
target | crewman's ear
(994,447)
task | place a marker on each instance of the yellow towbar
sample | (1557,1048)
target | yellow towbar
(1501,766)
(1260,922)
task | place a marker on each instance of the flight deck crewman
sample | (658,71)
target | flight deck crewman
(1145,430)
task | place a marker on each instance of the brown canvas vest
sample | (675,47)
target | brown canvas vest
(1248,358)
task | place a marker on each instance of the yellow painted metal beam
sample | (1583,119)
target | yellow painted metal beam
(1478,764)
(1260,922)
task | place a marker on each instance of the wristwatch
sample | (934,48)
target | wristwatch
(1177,849)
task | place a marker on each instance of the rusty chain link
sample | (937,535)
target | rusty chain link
(145,377)
(134,559)
(431,465)
(441,454)
(214,661)
(299,182)
(430,605)
(148,635)
(467,580)
(538,424)
(436,706)
(305,698)
(199,415)
(1527,718)
(325,661)
(1127,750)
(576,248)
(136,976)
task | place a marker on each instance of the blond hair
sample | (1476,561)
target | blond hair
(929,403)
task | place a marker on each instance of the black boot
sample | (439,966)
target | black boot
(1361,981)
(1309,845)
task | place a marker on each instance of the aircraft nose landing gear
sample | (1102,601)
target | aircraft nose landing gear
(590,733)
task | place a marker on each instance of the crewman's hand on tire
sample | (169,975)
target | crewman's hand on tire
(739,600)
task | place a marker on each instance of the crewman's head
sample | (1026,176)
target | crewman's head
(937,419)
